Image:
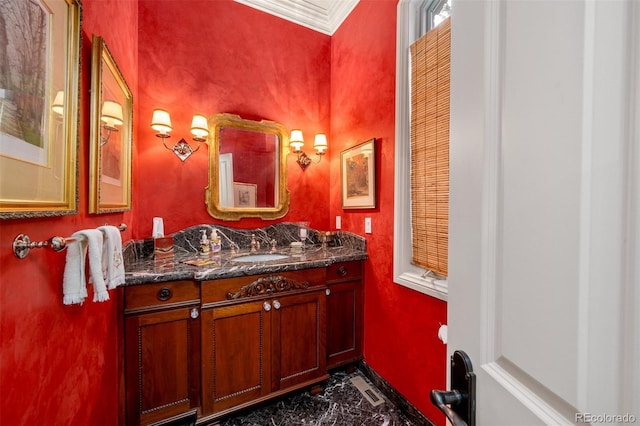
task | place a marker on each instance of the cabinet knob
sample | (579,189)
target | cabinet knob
(327,292)
(276,304)
(195,313)
(342,271)
(266,306)
(164,294)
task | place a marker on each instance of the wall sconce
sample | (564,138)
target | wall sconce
(319,144)
(58,103)
(111,117)
(161,123)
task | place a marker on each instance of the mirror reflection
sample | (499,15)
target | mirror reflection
(247,168)
(249,175)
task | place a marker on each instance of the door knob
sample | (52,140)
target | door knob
(442,400)
(266,306)
(276,304)
(458,404)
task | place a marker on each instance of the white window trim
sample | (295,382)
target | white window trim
(404,272)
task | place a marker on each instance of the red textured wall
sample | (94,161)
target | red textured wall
(58,364)
(401,325)
(220,56)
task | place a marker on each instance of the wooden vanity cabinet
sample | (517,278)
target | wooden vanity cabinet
(236,360)
(345,310)
(161,350)
(298,328)
(261,343)
(215,347)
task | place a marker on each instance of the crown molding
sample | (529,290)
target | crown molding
(324,16)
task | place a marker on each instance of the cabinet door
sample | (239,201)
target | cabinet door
(236,362)
(162,364)
(344,323)
(298,336)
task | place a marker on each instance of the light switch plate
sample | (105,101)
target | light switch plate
(367,225)
(338,222)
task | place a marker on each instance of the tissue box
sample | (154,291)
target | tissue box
(163,248)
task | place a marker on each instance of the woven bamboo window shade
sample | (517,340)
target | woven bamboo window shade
(430,69)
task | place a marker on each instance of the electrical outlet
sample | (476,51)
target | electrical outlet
(338,222)
(367,225)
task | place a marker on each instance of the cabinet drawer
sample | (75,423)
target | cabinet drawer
(344,271)
(217,290)
(160,294)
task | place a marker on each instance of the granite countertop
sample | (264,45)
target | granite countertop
(222,265)
(188,264)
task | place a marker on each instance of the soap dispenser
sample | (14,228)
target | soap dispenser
(204,243)
(215,241)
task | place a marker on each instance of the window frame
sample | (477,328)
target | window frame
(410,24)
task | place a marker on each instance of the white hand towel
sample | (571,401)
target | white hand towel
(74,279)
(74,288)
(112,262)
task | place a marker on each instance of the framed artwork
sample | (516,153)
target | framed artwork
(358,176)
(244,194)
(111,134)
(39,87)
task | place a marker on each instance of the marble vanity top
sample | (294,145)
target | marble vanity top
(188,264)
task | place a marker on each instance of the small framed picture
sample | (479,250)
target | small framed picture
(358,176)
(244,194)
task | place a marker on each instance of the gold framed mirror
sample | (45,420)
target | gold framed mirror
(247,168)
(110,135)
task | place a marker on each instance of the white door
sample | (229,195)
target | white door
(226,180)
(544,254)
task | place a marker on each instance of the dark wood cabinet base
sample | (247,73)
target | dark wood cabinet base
(196,352)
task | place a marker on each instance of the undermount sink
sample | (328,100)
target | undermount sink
(263,257)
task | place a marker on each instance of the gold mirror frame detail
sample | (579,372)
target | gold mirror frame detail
(111,134)
(212,192)
(39,126)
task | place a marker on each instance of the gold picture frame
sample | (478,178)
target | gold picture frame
(244,194)
(358,176)
(110,134)
(39,99)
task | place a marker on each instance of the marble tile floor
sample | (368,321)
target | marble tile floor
(339,403)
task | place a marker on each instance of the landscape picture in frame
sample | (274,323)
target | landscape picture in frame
(39,84)
(358,176)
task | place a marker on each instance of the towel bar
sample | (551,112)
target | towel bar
(22,243)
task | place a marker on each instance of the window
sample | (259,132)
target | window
(415,18)
(433,13)
(430,58)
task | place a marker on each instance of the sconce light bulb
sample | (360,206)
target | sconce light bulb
(320,143)
(199,128)
(112,114)
(58,103)
(296,140)
(161,122)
